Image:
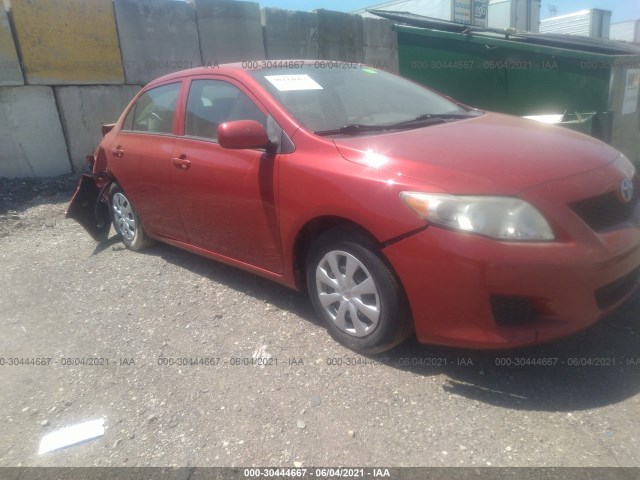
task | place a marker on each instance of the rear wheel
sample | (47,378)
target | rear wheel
(126,221)
(356,294)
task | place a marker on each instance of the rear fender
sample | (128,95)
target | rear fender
(90,205)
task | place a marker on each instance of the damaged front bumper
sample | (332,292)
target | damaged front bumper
(90,205)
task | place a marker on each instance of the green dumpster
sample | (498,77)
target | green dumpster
(591,85)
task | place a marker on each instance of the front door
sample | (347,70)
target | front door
(227,197)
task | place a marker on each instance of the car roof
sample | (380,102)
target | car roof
(237,69)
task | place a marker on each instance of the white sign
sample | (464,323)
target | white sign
(630,102)
(287,83)
(462,11)
(480,12)
(64,437)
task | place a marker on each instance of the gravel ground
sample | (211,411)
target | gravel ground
(64,297)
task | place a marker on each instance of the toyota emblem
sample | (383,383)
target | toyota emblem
(626,189)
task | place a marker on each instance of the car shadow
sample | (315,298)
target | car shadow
(102,246)
(597,367)
(20,194)
(259,288)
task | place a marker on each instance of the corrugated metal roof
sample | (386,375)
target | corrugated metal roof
(578,23)
(588,23)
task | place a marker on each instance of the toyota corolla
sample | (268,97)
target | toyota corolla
(399,210)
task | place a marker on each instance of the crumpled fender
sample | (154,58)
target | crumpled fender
(90,204)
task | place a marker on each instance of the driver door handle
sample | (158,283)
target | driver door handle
(181,162)
(117,152)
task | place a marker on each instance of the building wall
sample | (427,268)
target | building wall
(522,15)
(625,31)
(587,23)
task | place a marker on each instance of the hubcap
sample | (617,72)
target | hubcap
(348,293)
(123,216)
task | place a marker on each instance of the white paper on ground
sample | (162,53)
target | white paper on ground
(287,83)
(262,356)
(71,435)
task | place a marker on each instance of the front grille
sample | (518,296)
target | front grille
(512,311)
(612,293)
(606,211)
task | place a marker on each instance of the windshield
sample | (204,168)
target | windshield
(327,99)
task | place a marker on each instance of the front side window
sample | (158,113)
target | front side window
(153,112)
(212,102)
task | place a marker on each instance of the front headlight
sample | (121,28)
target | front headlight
(502,218)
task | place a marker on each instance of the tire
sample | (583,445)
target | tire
(366,288)
(125,220)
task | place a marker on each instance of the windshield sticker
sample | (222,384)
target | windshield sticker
(287,83)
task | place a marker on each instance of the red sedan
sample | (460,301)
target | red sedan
(398,209)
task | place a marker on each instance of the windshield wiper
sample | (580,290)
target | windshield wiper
(420,121)
(435,118)
(353,128)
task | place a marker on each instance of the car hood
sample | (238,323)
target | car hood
(489,154)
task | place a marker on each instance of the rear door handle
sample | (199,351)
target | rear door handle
(181,162)
(117,152)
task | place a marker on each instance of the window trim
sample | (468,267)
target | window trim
(132,110)
(217,78)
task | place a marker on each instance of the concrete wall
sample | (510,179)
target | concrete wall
(230,31)
(31,135)
(67,41)
(156,38)
(83,110)
(10,71)
(380,44)
(90,57)
(290,34)
(340,36)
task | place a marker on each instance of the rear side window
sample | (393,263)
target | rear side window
(212,102)
(153,112)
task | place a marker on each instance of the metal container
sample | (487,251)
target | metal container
(592,84)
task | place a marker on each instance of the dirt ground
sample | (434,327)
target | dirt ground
(163,346)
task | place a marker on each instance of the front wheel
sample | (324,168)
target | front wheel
(126,221)
(356,294)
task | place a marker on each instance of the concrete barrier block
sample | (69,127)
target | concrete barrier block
(65,42)
(380,44)
(10,69)
(289,34)
(31,135)
(84,109)
(340,36)
(230,31)
(156,38)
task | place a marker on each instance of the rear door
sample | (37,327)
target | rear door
(141,159)
(227,197)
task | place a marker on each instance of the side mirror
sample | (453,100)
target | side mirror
(242,134)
